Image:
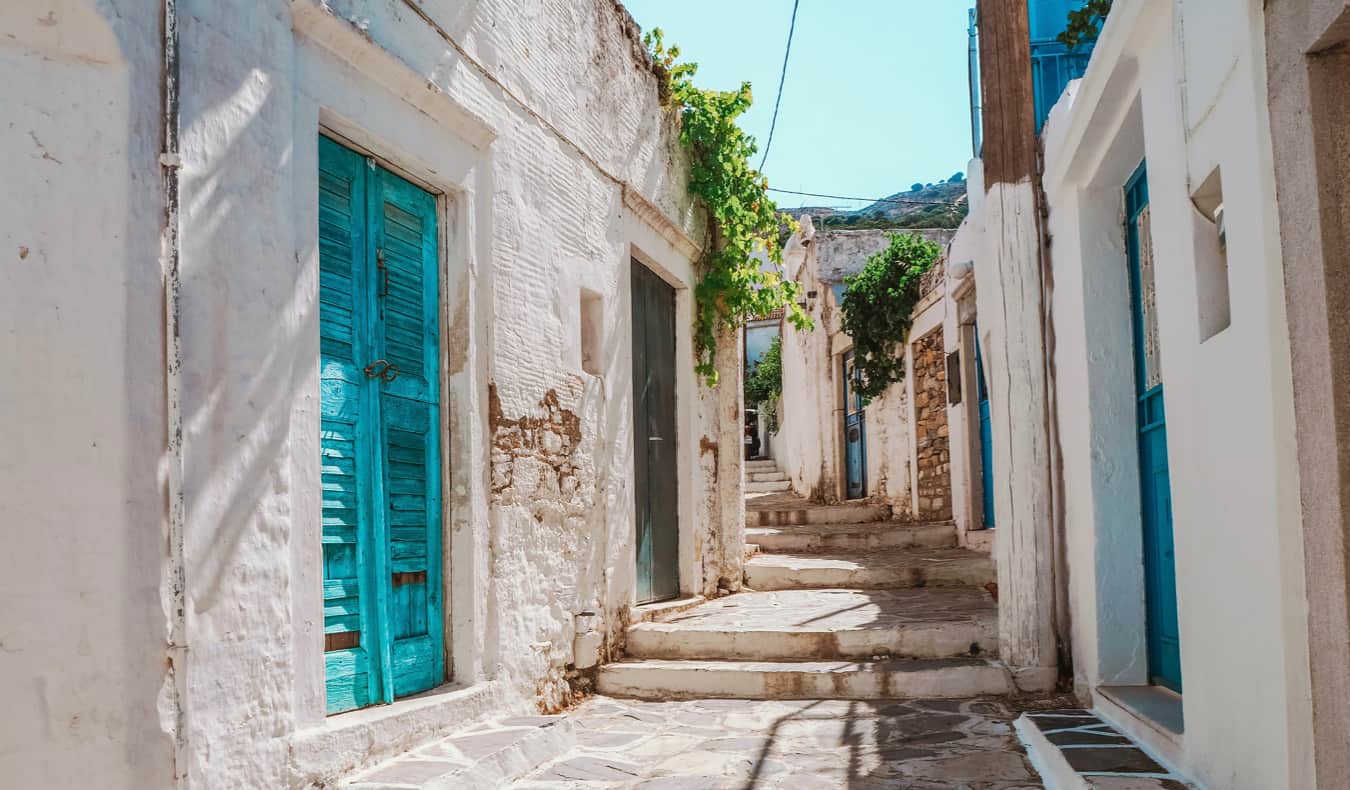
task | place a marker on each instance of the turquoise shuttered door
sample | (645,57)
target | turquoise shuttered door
(405,237)
(346,442)
(380,432)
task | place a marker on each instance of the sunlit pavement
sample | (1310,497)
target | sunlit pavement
(714,744)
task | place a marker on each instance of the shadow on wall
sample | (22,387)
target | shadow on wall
(84,632)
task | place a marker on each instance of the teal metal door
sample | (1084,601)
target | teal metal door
(654,442)
(986,439)
(855,433)
(380,432)
(1160,582)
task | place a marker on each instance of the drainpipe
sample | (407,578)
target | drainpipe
(173,594)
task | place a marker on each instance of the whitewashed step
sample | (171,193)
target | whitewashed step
(658,679)
(765,477)
(846,537)
(813,625)
(761,466)
(800,512)
(490,756)
(873,569)
(766,488)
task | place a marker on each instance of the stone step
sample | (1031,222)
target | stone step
(765,477)
(761,466)
(493,755)
(801,512)
(659,679)
(764,488)
(873,569)
(846,537)
(816,625)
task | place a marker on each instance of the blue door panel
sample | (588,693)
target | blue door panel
(986,439)
(380,422)
(1160,585)
(855,433)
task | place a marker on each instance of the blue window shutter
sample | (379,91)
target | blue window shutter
(407,243)
(345,445)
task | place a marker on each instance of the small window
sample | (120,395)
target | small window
(592,332)
(1213,308)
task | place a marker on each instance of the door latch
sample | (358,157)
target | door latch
(383,370)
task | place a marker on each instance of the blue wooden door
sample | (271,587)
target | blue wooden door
(1160,583)
(855,433)
(380,442)
(986,439)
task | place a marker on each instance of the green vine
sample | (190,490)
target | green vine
(731,288)
(1085,23)
(878,307)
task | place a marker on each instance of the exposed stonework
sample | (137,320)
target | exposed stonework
(933,456)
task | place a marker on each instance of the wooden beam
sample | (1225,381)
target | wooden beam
(1009,105)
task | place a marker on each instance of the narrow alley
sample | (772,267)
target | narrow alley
(651,395)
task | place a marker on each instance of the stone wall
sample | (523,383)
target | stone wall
(932,453)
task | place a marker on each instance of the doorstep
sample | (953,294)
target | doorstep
(655,612)
(1151,715)
(1075,749)
(356,740)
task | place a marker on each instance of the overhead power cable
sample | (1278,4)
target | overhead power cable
(901,201)
(782,77)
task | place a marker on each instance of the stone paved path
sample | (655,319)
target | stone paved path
(800,744)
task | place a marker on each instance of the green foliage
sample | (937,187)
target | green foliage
(877,308)
(1085,23)
(765,382)
(731,286)
(915,187)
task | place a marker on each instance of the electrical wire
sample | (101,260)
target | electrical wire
(901,201)
(782,77)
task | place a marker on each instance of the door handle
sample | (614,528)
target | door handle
(383,370)
(655,439)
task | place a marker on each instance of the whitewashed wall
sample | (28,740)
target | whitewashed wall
(1183,84)
(83,621)
(555,170)
(810,443)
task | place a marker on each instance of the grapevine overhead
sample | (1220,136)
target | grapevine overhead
(732,288)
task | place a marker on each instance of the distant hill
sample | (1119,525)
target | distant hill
(940,205)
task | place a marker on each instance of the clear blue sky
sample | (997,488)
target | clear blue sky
(876,95)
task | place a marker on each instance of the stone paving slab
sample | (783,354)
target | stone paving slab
(869,569)
(802,745)
(929,622)
(488,755)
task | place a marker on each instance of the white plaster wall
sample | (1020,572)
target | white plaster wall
(810,445)
(82,420)
(555,169)
(1189,95)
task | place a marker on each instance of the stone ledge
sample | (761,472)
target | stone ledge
(350,742)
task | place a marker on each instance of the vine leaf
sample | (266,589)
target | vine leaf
(732,287)
(878,306)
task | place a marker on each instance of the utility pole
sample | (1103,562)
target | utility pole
(1016,337)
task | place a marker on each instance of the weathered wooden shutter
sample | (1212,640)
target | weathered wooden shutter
(379,330)
(406,243)
(346,441)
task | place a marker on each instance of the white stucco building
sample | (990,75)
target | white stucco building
(1158,548)
(218,530)
(916,447)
